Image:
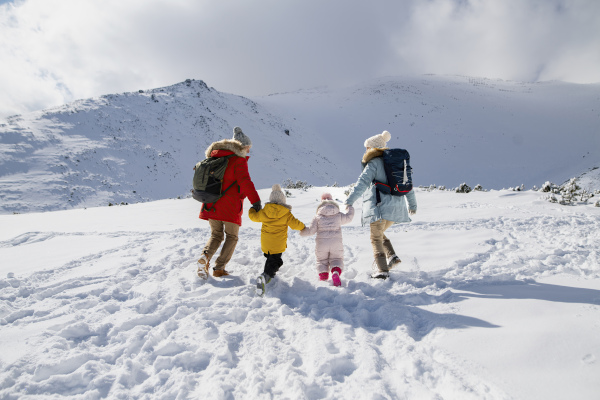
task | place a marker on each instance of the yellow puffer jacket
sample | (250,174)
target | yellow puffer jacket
(275,219)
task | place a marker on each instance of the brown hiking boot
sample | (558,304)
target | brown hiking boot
(219,272)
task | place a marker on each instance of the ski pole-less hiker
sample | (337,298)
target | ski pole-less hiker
(329,248)
(276,217)
(380,215)
(225,215)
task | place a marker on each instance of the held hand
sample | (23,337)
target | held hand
(412,212)
(257,206)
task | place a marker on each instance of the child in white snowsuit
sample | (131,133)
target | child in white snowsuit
(329,249)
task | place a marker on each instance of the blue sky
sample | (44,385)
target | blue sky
(56,51)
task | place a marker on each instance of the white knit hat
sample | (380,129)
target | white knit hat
(241,137)
(378,141)
(277,196)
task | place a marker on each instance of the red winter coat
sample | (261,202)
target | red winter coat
(229,208)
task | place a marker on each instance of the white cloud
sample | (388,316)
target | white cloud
(55,51)
(511,39)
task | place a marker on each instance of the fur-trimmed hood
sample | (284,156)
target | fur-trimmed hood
(328,207)
(371,154)
(227,144)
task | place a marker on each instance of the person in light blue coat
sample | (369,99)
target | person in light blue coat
(391,209)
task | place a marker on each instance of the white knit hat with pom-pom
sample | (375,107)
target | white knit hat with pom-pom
(277,196)
(378,141)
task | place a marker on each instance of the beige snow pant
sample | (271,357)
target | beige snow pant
(218,231)
(382,247)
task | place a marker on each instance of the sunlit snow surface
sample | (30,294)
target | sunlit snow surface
(497,297)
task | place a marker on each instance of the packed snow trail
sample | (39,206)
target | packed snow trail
(102,312)
(150,326)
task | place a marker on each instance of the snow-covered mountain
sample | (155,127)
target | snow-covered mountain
(141,146)
(495,133)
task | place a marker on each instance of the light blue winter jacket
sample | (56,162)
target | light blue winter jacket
(391,208)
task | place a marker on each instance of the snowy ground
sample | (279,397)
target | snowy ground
(497,297)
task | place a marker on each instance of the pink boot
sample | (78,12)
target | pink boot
(323,276)
(335,276)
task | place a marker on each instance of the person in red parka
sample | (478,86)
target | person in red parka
(225,215)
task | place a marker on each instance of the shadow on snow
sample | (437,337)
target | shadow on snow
(372,307)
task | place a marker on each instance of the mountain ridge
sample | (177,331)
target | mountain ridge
(141,146)
(131,147)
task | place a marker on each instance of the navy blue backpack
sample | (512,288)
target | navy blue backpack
(396,163)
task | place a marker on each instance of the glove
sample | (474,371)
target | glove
(257,206)
(412,212)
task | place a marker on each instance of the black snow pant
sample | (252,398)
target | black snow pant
(272,264)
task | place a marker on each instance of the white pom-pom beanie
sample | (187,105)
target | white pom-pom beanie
(277,196)
(378,141)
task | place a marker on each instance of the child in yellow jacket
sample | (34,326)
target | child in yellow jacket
(276,217)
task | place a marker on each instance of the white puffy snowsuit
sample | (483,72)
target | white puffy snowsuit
(327,224)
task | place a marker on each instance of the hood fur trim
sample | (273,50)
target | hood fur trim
(326,202)
(371,154)
(227,144)
(279,204)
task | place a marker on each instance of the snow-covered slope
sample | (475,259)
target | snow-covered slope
(137,146)
(590,180)
(497,297)
(140,146)
(496,133)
